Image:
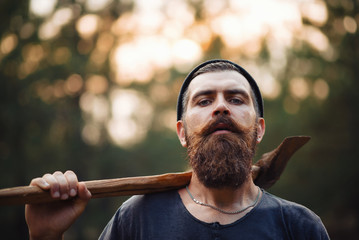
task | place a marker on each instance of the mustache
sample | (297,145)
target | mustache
(222,122)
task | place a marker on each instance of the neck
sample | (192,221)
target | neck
(226,198)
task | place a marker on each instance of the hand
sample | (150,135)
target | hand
(51,220)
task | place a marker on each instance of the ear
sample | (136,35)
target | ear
(261,128)
(181,133)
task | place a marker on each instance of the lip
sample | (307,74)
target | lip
(219,132)
(221,128)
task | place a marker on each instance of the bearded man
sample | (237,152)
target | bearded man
(220,122)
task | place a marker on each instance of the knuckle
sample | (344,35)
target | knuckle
(71,176)
(35,181)
(46,175)
(58,173)
(69,172)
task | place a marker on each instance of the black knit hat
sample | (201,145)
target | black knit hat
(189,78)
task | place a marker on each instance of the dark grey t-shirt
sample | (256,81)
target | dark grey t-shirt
(163,216)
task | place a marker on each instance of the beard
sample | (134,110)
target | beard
(224,160)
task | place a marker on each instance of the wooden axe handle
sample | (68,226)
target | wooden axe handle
(101,188)
(267,170)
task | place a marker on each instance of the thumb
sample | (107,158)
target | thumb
(84,195)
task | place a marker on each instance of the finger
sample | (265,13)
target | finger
(84,193)
(72,182)
(40,182)
(84,196)
(54,185)
(63,184)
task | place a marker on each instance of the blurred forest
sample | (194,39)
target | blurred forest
(92,85)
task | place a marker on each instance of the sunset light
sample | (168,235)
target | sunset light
(145,43)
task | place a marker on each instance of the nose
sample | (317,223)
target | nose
(221,108)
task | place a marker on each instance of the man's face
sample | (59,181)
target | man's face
(220,128)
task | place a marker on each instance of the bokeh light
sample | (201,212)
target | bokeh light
(131,116)
(42,8)
(142,44)
(87,83)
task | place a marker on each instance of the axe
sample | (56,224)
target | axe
(265,172)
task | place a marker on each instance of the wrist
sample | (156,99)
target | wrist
(45,237)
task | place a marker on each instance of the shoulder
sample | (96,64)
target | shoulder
(297,218)
(290,210)
(134,215)
(144,206)
(149,200)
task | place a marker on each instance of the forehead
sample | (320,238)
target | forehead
(219,81)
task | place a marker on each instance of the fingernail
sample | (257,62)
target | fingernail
(45,184)
(56,194)
(72,192)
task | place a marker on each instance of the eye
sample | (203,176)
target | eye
(204,102)
(236,101)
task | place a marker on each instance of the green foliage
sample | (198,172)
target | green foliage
(41,129)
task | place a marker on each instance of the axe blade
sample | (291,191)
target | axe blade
(268,169)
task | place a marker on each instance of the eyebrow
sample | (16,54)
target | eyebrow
(226,92)
(202,93)
(237,91)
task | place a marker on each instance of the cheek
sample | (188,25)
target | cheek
(195,121)
(245,118)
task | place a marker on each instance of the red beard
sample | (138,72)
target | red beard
(225,160)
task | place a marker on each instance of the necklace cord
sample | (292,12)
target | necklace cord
(221,210)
